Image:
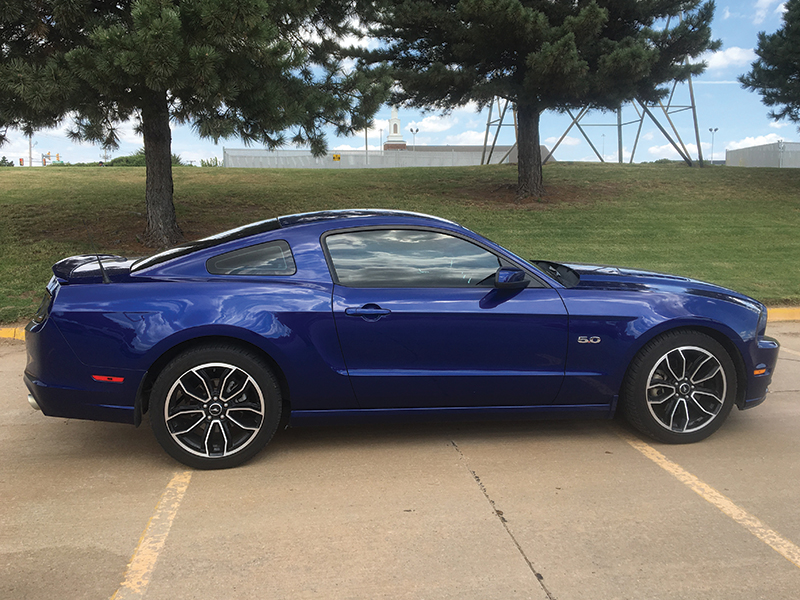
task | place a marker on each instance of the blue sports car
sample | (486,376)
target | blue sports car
(367,314)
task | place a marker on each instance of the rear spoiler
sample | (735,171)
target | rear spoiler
(88,268)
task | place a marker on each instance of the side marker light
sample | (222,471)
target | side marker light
(759,371)
(108,379)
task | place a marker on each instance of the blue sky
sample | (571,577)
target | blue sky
(738,115)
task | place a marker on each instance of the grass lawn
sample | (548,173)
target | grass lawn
(733,226)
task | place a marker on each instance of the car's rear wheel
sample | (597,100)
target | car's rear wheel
(680,388)
(215,406)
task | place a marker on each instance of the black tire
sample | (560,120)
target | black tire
(679,388)
(215,406)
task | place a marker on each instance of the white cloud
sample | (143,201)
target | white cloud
(127,134)
(733,56)
(778,125)
(372,148)
(434,123)
(648,136)
(378,125)
(465,138)
(668,151)
(567,141)
(760,140)
(718,82)
(762,8)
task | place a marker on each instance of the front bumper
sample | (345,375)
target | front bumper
(764,357)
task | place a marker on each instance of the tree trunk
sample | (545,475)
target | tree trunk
(529,169)
(162,225)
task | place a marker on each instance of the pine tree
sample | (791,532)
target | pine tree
(776,73)
(267,72)
(539,54)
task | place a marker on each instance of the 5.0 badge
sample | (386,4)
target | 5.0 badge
(585,339)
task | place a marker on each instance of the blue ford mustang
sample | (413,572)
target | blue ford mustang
(371,313)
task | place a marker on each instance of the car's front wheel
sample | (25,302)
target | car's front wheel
(215,406)
(680,387)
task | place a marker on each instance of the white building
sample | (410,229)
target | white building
(395,153)
(779,155)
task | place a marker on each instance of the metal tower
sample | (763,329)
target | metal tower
(660,113)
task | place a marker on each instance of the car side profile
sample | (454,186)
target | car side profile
(373,314)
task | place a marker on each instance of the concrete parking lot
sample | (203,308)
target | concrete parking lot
(555,509)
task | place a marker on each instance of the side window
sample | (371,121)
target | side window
(409,258)
(270,258)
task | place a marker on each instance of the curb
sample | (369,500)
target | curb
(776,315)
(13,333)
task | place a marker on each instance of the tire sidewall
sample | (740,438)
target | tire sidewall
(634,399)
(245,360)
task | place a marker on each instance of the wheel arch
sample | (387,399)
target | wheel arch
(142,403)
(724,340)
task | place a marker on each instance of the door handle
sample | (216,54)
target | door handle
(369,312)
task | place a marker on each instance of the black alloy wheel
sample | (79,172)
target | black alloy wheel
(214,407)
(680,388)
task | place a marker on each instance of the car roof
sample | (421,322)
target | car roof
(283,222)
(333,215)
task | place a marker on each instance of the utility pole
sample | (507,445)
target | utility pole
(414,133)
(713,130)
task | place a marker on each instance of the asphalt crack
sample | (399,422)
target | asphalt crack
(499,514)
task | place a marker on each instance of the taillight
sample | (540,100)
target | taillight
(44,308)
(47,302)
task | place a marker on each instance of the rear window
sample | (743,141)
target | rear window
(209,242)
(270,258)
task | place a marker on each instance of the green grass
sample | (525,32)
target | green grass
(736,227)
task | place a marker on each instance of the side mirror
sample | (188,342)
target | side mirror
(510,278)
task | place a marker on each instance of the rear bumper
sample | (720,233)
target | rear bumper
(62,386)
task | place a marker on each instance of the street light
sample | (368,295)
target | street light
(713,131)
(602,158)
(414,133)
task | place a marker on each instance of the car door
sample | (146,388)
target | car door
(421,324)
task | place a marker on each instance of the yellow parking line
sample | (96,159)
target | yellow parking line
(770,537)
(144,558)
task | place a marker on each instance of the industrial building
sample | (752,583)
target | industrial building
(780,155)
(395,152)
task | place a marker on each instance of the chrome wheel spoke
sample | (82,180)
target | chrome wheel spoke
(217,440)
(711,395)
(680,406)
(203,377)
(247,418)
(227,393)
(701,408)
(182,412)
(676,356)
(660,392)
(240,425)
(185,430)
(191,395)
(714,369)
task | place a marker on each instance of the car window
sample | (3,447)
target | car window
(409,258)
(270,258)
